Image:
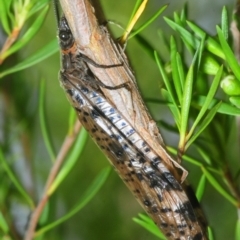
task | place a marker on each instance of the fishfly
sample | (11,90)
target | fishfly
(142,170)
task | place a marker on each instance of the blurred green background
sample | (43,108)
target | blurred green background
(109,215)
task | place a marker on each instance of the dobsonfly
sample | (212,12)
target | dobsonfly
(142,170)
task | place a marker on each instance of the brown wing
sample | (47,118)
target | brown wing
(141,169)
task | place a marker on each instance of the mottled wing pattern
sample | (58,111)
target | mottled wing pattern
(138,165)
(142,170)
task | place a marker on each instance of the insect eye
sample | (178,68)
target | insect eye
(66,39)
(64,35)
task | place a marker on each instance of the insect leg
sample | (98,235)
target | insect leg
(96,81)
(90,61)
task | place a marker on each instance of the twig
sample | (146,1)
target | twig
(67,144)
(9,42)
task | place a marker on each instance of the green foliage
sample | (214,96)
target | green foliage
(15,14)
(87,196)
(37,57)
(190,93)
(14,18)
(149,225)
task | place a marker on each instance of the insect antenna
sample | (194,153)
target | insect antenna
(56,10)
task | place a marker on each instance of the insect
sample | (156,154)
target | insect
(142,170)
